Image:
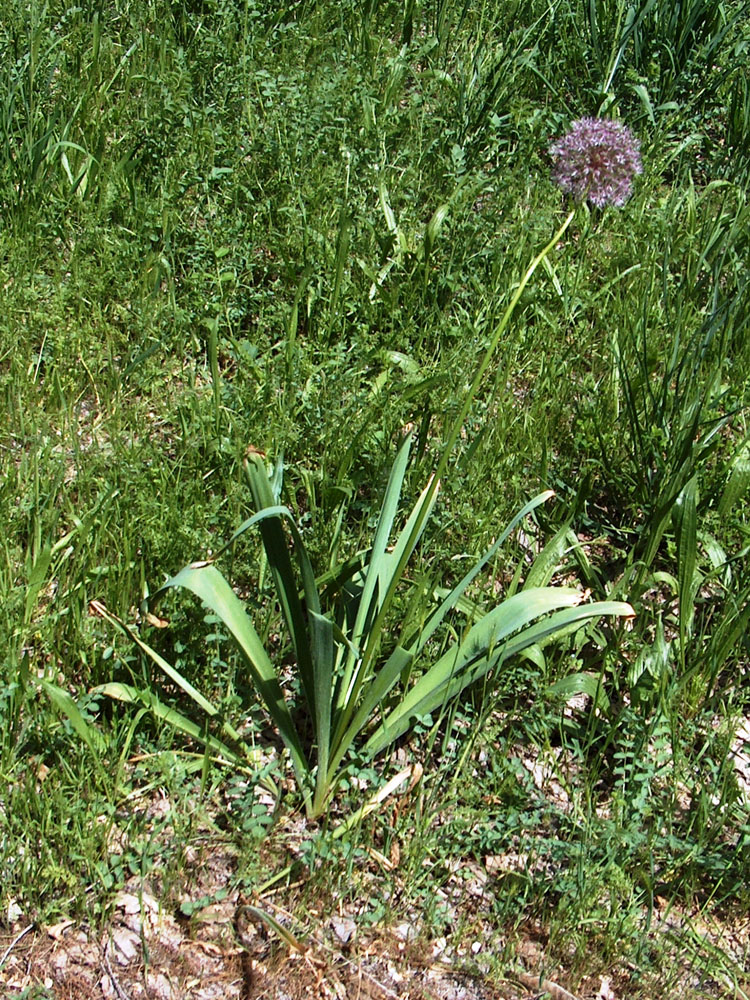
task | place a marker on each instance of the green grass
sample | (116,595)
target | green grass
(295,231)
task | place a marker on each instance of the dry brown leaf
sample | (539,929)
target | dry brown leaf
(56,931)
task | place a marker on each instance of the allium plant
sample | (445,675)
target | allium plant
(597,160)
(364,677)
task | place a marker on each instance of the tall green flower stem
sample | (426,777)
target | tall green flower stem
(500,329)
(345,683)
(463,412)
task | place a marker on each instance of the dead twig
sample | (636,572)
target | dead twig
(14,942)
(542,986)
(112,977)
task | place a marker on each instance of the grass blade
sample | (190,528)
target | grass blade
(174,675)
(223,753)
(687,545)
(65,704)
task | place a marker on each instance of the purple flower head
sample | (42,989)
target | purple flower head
(597,160)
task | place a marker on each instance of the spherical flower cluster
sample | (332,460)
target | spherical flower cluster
(597,160)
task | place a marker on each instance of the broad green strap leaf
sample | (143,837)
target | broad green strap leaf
(662,577)
(377,566)
(507,618)
(370,597)
(561,622)
(465,664)
(490,631)
(288,594)
(739,481)
(322,632)
(279,561)
(318,650)
(731,630)
(451,601)
(390,564)
(535,654)
(374,693)
(548,560)
(582,683)
(717,557)
(415,645)
(401,657)
(207,583)
(408,537)
(308,577)
(250,522)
